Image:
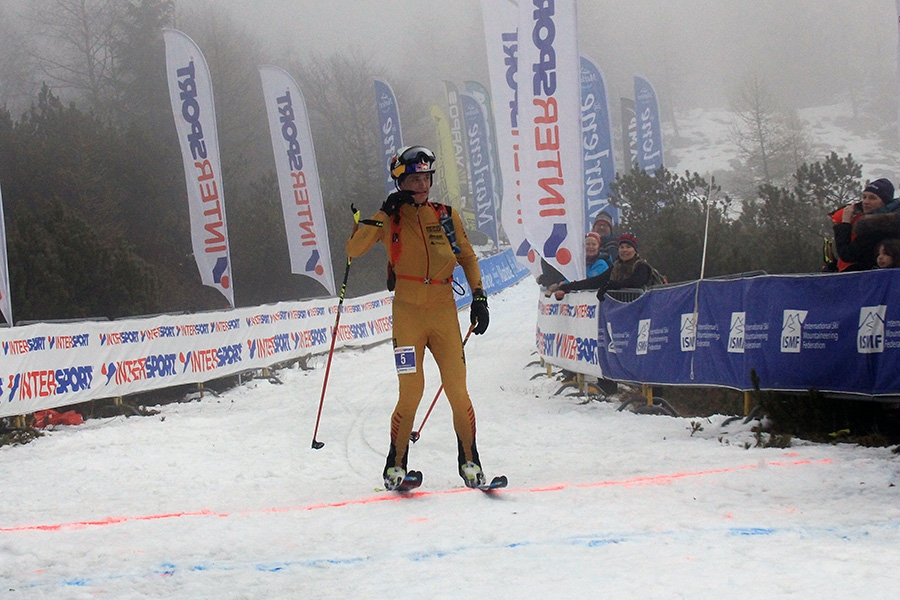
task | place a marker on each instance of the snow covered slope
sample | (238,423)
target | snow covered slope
(704,144)
(223,497)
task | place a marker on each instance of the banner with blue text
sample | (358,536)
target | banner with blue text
(191,95)
(388,129)
(49,365)
(837,333)
(480,93)
(498,272)
(629,134)
(482,171)
(646,110)
(597,144)
(298,177)
(501,40)
(549,100)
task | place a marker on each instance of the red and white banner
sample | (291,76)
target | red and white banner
(50,365)
(550,153)
(566,334)
(501,20)
(190,91)
(298,177)
(5,298)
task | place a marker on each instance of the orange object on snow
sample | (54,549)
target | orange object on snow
(45,418)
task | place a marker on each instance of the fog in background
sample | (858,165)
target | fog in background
(694,51)
(699,54)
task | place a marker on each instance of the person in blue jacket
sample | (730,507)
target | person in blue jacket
(598,270)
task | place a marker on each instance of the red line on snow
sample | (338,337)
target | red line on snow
(634,481)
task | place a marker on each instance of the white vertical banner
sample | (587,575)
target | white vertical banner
(190,90)
(501,18)
(550,154)
(5,298)
(298,177)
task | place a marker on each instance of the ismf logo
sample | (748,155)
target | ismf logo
(870,335)
(736,332)
(792,331)
(688,338)
(611,346)
(643,338)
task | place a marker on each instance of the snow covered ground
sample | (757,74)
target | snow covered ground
(224,498)
(705,145)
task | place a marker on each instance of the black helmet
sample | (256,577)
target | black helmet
(412,159)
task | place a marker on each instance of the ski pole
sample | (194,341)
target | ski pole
(317,445)
(414,436)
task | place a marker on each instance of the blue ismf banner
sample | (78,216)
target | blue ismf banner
(498,272)
(837,333)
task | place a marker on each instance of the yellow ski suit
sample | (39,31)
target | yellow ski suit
(424,315)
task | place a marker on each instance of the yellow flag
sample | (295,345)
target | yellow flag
(447,173)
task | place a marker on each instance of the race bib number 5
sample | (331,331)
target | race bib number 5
(405,359)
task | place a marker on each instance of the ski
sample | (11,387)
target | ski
(496,483)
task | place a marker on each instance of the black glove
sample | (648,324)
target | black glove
(479,315)
(393,203)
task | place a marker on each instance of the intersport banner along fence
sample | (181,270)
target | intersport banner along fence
(836,333)
(49,365)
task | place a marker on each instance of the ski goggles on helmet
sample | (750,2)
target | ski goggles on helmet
(412,159)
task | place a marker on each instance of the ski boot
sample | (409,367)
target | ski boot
(472,474)
(393,477)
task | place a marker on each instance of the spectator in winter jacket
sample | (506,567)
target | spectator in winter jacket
(860,226)
(630,271)
(598,267)
(603,226)
(888,254)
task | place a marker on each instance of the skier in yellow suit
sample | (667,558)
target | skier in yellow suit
(425,241)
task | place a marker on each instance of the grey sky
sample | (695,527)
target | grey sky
(697,49)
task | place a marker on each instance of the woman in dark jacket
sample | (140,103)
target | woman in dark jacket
(598,268)
(630,270)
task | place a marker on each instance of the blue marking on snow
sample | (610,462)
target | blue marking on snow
(749,531)
(168,569)
(423,556)
(605,542)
